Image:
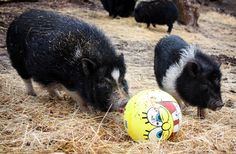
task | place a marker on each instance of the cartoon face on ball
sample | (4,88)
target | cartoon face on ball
(152,115)
(175,111)
(162,119)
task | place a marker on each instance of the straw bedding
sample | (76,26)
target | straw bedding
(41,125)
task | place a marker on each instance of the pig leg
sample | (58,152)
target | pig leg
(29,87)
(79,100)
(183,106)
(19,64)
(201,113)
(148,25)
(154,25)
(53,92)
(170,26)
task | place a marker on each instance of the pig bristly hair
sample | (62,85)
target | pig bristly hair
(56,49)
(174,71)
(187,73)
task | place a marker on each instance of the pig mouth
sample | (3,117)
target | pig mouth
(216,108)
(215,105)
(119,105)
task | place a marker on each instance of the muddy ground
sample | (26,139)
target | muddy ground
(216,36)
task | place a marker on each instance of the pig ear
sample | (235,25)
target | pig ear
(88,66)
(193,68)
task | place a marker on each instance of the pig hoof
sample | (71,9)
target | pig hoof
(56,97)
(201,113)
(91,109)
(55,94)
(31,93)
(66,97)
(201,116)
(83,108)
(60,97)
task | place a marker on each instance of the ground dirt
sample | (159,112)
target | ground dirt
(40,125)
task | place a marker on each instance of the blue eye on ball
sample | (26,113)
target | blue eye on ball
(159,134)
(158,117)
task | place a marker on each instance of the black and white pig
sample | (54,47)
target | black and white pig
(161,12)
(122,8)
(188,74)
(57,50)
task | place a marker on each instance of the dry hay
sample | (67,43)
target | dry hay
(40,125)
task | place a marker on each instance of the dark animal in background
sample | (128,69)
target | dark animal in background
(161,12)
(122,8)
(57,50)
(188,74)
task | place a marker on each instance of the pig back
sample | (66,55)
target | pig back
(167,52)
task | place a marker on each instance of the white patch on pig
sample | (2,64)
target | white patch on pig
(116,74)
(174,71)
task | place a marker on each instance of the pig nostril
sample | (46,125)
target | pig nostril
(221,104)
(121,110)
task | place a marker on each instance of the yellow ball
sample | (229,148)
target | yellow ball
(152,115)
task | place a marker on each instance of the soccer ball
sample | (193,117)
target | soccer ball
(152,115)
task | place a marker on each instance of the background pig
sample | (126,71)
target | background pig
(188,74)
(156,12)
(123,8)
(59,50)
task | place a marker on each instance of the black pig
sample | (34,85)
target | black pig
(122,8)
(154,12)
(188,74)
(57,50)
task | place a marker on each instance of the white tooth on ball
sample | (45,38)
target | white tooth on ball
(174,71)
(116,74)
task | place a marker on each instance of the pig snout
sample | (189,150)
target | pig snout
(217,105)
(119,105)
(123,102)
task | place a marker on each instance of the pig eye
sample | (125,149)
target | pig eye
(124,82)
(105,82)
